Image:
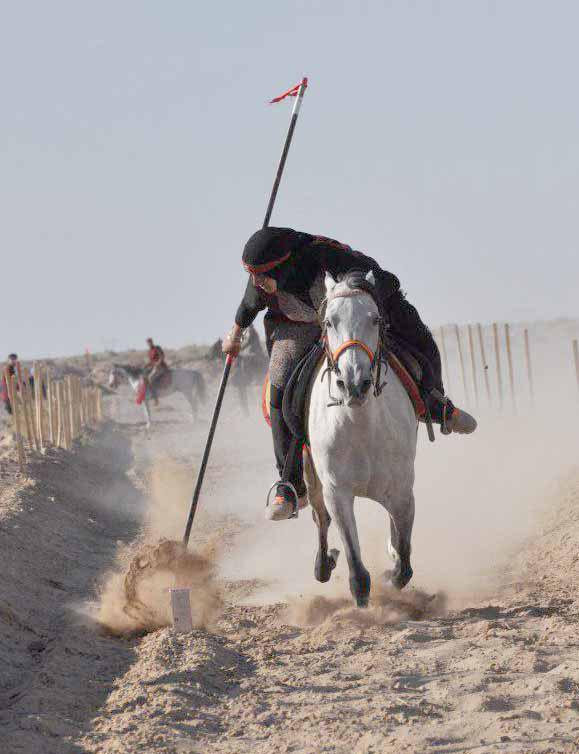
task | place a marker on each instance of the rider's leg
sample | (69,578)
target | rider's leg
(290,342)
(406,323)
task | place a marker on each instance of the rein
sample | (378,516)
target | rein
(376,357)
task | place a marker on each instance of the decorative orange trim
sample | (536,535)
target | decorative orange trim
(259,269)
(265,390)
(353,344)
(409,384)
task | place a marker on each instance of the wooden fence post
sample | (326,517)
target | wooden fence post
(71,407)
(445,361)
(529,366)
(99,412)
(498,363)
(12,387)
(484,363)
(38,402)
(510,364)
(462,370)
(49,405)
(473,364)
(576,358)
(66,405)
(29,411)
(83,411)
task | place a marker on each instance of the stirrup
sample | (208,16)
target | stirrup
(444,401)
(291,488)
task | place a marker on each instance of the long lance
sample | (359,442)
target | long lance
(298,92)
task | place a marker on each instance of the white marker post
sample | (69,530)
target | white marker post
(181,610)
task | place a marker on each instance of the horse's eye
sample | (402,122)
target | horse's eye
(328,324)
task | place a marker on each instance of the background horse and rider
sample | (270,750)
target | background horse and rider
(189,383)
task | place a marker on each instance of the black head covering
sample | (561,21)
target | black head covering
(271,246)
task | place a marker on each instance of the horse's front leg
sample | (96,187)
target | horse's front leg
(325,561)
(147,413)
(401,513)
(192,401)
(342,506)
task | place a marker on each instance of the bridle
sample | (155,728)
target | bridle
(377,357)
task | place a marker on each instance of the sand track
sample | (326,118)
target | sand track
(493,674)
(58,531)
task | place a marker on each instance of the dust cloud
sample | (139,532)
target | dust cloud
(135,595)
(477,499)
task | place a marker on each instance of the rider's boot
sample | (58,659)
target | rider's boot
(459,421)
(285,505)
(451,418)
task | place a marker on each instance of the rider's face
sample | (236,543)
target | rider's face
(267,284)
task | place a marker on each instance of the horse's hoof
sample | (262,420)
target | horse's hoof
(401,577)
(360,584)
(323,568)
(333,556)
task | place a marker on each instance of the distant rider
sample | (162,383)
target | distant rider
(12,368)
(155,367)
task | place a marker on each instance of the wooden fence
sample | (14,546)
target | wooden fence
(50,413)
(506,383)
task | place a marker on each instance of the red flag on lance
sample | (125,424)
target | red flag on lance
(293,92)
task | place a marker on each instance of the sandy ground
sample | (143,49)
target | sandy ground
(287,665)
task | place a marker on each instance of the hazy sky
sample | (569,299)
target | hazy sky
(138,152)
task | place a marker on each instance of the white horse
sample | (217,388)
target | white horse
(362,438)
(189,382)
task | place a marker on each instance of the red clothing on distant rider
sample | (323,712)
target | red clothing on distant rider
(156,356)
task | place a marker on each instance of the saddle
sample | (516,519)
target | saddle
(162,382)
(297,392)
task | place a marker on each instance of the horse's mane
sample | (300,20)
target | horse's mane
(130,369)
(349,284)
(353,281)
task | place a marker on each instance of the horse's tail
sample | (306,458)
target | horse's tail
(199,385)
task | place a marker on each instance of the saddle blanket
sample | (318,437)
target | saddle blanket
(162,383)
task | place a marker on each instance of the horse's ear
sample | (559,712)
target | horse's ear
(330,283)
(371,279)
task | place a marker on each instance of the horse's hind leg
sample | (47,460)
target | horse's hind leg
(342,507)
(401,521)
(147,413)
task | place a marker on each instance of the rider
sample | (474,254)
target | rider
(286,270)
(155,367)
(12,368)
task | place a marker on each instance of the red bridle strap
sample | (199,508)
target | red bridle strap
(352,344)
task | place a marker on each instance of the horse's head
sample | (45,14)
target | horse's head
(114,377)
(352,330)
